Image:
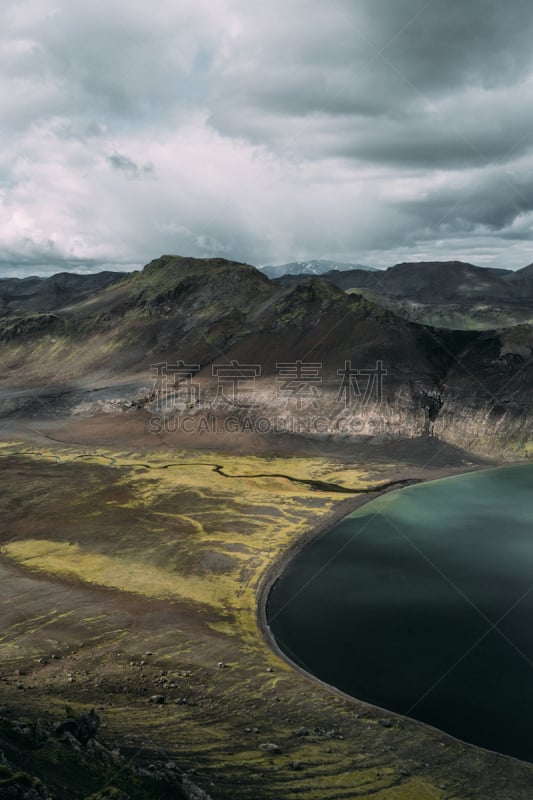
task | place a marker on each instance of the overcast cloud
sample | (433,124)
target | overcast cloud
(265,132)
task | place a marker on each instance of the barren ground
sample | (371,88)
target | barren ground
(130,568)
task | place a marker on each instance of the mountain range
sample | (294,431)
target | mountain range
(313,267)
(469,388)
(442,282)
(450,294)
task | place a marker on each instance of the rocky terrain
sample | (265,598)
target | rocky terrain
(59,749)
(468,388)
(440,282)
(449,294)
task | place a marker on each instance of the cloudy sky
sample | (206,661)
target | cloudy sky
(374,131)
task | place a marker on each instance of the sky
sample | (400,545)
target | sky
(369,131)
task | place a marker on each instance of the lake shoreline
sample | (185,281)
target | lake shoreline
(280,564)
(107,632)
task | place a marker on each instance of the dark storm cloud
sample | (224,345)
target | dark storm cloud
(443,140)
(493,201)
(408,82)
(440,45)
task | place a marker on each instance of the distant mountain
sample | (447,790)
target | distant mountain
(50,294)
(438,282)
(525,272)
(314,267)
(450,294)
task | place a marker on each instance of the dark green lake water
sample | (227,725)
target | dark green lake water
(421,602)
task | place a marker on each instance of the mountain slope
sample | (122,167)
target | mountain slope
(463,386)
(445,294)
(49,294)
(525,272)
(434,282)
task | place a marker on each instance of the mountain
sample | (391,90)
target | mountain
(470,389)
(313,267)
(48,294)
(525,272)
(431,281)
(451,294)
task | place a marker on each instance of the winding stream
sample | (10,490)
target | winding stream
(313,483)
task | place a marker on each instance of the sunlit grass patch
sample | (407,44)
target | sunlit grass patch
(69,560)
(171,527)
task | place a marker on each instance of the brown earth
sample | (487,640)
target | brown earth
(75,634)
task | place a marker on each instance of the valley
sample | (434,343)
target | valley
(147,508)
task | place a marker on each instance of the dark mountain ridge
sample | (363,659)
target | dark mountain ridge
(423,282)
(469,388)
(441,282)
(521,273)
(49,294)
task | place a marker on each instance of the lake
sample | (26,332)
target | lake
(421,602)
